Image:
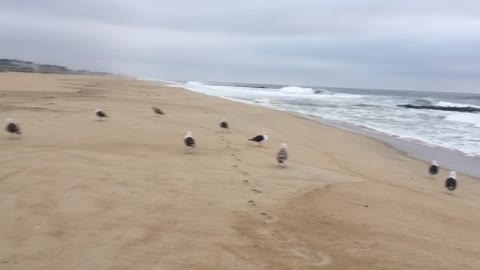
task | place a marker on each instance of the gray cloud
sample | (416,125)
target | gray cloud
(430,45)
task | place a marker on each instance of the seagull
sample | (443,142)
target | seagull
(224,124)
(282,155)
(157,111)
(260,139)
(188,140)
(451,182)
(433,168)
(12,128)
(100,113)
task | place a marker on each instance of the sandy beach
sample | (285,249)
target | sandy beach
(77,193)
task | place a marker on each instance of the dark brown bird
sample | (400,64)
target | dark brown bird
(100,113)
(12,128)
(157,111)
(224,124)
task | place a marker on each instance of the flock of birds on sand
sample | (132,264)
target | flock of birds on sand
(450,182)
(281,157)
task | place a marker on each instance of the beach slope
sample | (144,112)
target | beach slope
(122,193)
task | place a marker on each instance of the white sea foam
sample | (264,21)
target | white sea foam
(262,100)
(453,104)
(194,83)
(455,131)
(296,90)
(468,118)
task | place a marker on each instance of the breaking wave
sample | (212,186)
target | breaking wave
(452,104)
(441,128)
(473,119)
(296,90)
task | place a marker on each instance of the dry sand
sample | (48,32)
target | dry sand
(77,193)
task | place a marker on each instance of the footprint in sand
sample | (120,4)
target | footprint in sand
(267,218)
(252,203)
(246,182)
(295,248)
(256,190)
(316,258)
(275,234)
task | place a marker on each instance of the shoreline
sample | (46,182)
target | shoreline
(455,161)
(449,159)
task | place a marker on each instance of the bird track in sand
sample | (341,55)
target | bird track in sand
(284,243)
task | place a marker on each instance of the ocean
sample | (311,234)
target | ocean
(372,112)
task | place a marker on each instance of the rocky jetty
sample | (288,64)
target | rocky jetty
(441,108)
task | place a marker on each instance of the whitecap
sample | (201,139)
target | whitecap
(296,90)
(453,104)
(468,118)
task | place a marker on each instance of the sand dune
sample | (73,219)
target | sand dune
(77,193)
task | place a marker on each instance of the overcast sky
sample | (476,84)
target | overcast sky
(404,44)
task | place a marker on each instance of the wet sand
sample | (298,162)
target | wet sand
(453,160)
(77,193)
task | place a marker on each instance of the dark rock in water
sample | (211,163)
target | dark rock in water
(422,102)
(441,108)
(250,86)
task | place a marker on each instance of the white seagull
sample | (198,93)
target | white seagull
(451,182)
(100,113)
(188,140)
(12,128)
(282,155)
(433,168)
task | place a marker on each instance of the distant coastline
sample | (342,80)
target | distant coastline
(14,65)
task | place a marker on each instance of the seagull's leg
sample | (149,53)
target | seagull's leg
(189,150)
